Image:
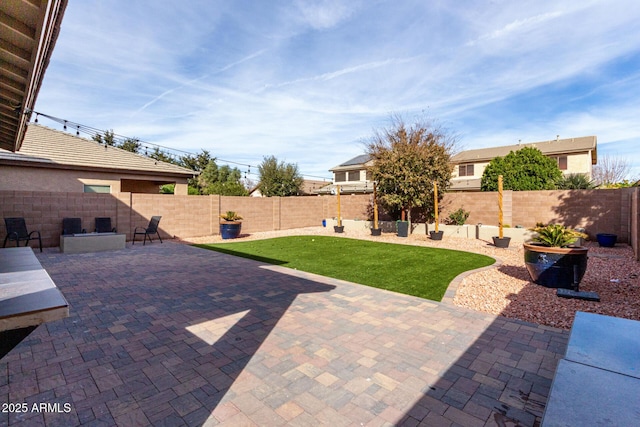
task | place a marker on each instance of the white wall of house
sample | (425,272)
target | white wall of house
(575,163)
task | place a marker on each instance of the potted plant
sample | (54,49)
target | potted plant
(435,235)
(339,228)
(500,241)
(552,258)
(375,231)
(231,225)
(607,240)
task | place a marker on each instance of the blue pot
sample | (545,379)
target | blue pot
(230,230)
(555,267)
(607,240)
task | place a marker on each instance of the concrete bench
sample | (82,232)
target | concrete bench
(28,297)
(598,381)
(91,242)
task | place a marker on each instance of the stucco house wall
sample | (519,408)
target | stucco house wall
(42,179)
(51,160)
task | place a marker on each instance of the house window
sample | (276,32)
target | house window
(562,163)
(97,188)
(465,170)
(340,176)
(354,176)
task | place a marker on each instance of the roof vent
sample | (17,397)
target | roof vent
(557,138)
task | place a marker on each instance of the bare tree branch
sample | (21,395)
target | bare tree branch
(610,170)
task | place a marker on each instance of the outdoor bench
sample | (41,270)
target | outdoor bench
(598,380)
(28,297)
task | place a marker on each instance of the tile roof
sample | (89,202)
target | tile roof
(556,146)
(356,161)
(52,148)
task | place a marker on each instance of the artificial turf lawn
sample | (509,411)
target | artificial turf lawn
(412,270)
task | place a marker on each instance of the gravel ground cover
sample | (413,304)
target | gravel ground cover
(506,290)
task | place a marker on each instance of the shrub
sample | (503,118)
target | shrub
(574,181)
(556,235)
(230,216)
(458,217)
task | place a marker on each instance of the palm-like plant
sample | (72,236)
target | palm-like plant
(230,216)
(556,235)
(575,181)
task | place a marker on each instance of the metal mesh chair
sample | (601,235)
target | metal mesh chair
(72,226)
(103,225)
(17,230)
(151,229)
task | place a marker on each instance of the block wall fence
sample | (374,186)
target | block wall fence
(598,211)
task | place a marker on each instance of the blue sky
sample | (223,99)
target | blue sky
(308,81)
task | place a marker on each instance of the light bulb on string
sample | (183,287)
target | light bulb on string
(65,125)
(78,130)
(37,118)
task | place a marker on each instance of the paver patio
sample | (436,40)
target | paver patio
(169,334)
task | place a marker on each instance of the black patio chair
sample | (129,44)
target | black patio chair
(103,225)
(151,229)
(17,230)
(72,226)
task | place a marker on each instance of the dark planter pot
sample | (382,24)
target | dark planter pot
(607,240)
(501,242)
(402,228)
(436,235)
(555,267)
(338,229)
(230,229)
(376,231)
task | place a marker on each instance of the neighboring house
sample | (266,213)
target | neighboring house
(51,160)
(309,187)
(352,176)
(574,155)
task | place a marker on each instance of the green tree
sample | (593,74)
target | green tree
(167,189)
(279,178)
(131,144)
(523,170)
(160,155)
(221,180)
(108,138)
(195,162)
(407,160)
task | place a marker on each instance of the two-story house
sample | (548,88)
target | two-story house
(574,155)
(352,176)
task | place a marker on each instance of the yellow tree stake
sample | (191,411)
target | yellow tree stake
(375,207)
(339,218)
(435,202)
(500,205)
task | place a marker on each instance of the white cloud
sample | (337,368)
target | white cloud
(306,81)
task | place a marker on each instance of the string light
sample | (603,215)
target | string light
(172,153)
